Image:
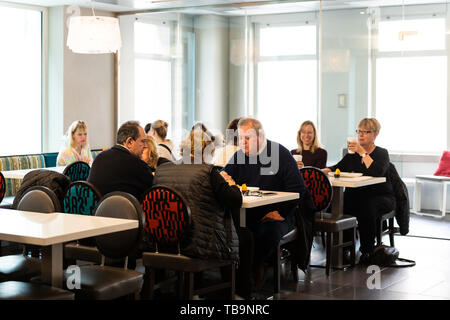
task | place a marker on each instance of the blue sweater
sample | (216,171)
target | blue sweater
(273,169)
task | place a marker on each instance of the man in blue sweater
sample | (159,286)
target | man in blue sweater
(270,166)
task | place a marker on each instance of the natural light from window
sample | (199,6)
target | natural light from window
(20,80)
(411,91)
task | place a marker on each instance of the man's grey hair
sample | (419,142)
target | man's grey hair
(128,129)
(253,123)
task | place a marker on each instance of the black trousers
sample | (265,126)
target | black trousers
(367,209)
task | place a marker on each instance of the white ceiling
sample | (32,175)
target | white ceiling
(295,5)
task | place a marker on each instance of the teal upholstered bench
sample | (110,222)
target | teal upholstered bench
(17,163)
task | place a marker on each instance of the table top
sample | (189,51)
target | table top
(268,197)
(356,182)
(19,174)
(52,228)
(432,177)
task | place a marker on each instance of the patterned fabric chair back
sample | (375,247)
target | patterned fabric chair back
(319,187)
(77,171)
(167,215)
(2,186)
(81,197)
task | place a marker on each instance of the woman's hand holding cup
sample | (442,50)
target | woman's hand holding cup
(298,158)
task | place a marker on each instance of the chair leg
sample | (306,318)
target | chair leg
(276,269)
(379,231)
(353,249)
(149,283)
(322,235)
(329,236)
(391,232)
(189,285)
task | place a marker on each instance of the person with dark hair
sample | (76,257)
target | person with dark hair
(164,147)
(223,154)
(121,168)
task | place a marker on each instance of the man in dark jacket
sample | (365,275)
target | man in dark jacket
(120,168)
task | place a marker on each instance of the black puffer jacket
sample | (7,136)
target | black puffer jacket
(53,180)
(402,212)
(212,234)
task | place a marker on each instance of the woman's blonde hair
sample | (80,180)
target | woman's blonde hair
(160,127)
(74,126)
(152,152)
(197,143)
(371,124)
(315,143)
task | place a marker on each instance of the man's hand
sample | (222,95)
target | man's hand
(227,178)
(272,216)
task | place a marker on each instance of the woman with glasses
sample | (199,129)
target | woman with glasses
(309,147)
(370,202)
(76,146)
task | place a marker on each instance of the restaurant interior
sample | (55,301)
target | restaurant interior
(280,61)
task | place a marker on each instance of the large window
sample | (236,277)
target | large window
(286,89)
(20,80)
(411,85)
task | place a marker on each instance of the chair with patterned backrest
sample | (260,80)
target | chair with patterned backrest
(2,187)
(81,197)
(77,171)
(321,191)
(100,282)
(20,267)
(167,218)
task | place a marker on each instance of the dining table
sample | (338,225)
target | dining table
(20,174)
(51,231)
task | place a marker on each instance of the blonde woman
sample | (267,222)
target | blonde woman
(150,155)
(370,202)
(309,147)
(76,146)
(158,130)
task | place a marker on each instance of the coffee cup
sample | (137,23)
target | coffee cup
(298,157)
(351,140)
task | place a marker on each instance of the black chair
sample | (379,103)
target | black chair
(390,228)
(167,218)
(21,267)
(81,197)
(321,191)
(77,171)
(287,239)
(100,282)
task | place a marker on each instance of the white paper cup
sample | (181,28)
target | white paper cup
(298,157)
(350,139)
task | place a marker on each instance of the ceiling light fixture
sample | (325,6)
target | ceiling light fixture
(94,34)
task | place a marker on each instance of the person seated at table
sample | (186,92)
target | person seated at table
(150,154)
(158,130)
(309,147)
(223,154)
(76,146)
(268,165)
(120,168)
(209,197)
(370,202)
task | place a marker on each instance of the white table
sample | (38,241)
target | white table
(51,230)
(337,203)
(19,174)
(417,202)
(268,197)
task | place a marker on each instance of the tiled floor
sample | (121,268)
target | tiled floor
(428,280)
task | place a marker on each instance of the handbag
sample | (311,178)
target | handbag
(385,256)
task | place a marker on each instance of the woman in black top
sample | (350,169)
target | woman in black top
(308,147)
(370,202)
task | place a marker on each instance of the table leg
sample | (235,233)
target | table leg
(242,213)
(52,265)
(337,211)
(417,196)
(444,198)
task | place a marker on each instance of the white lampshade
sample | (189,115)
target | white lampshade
(94,34)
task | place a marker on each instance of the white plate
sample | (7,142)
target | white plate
(347,174)
(252,188)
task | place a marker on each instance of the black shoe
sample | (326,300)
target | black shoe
(365,259)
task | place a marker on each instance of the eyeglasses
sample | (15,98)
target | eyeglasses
(363,131)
